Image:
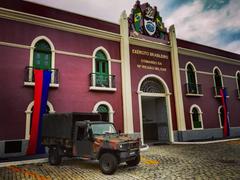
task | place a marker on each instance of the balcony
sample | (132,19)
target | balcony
(101,82)
(216,91)
(193,89)
(30,81)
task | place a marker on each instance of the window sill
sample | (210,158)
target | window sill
(95,88)
(197,129)
(33,84)
(197,95)
(218,96)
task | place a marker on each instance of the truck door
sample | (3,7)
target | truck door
(83,144)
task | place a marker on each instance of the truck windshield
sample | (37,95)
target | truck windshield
(101,129)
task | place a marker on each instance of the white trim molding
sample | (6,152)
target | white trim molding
(203,55)
(28,117)
(149,44)
(67,53)
(111,112)
(166,95)
(200,116)
(219,116)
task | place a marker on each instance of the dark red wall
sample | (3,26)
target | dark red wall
(208,103)
(73,93)
(137,74)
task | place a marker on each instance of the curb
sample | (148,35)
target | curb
(32,161)
(208,142)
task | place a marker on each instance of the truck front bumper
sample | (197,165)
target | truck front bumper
(128,155)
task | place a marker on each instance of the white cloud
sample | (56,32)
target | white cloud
(191,22)
(194,24)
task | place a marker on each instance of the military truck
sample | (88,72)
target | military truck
(84,135)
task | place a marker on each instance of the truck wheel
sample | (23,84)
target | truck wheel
(108,163)
(135,161)
(53,156)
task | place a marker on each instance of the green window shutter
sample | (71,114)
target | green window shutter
(218,79)
(192,85)
(102,109)
(195,117)
(238,80)
(222,115)
(42,58)
(191,75)
(101,63)
(101,68)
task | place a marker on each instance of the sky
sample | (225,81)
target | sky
(214,23)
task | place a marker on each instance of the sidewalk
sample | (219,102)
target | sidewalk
(23,160)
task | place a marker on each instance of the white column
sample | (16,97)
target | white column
(126,76)
(177,80)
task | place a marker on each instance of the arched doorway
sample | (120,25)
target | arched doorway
(155,110)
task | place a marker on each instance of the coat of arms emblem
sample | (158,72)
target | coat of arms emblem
(145,20)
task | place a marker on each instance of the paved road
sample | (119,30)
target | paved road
(208,161)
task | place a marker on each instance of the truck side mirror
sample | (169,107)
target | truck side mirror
(90,135)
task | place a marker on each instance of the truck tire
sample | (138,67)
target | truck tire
(53,156)
(108,163)
(135,161)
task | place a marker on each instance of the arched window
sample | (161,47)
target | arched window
(42,55)
(238,83)
(218,83)
(191,80)
(101,65)
(104,111)
(152,85)
(101,77)
(29,113)
(221,116)
(196,117)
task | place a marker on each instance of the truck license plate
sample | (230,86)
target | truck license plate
(132,153)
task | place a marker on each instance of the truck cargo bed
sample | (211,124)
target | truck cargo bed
(61,125)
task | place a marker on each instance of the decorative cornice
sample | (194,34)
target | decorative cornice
(57,24)
(149,44)
(194,53)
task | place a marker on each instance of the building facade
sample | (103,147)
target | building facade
(137,74)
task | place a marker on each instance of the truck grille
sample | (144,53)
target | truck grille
(131,145)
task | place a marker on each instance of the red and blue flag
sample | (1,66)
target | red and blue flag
(226,124)
(42,81)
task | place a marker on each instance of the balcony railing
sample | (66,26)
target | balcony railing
(29,75)
(216,90)
(102,80)
(193,88)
